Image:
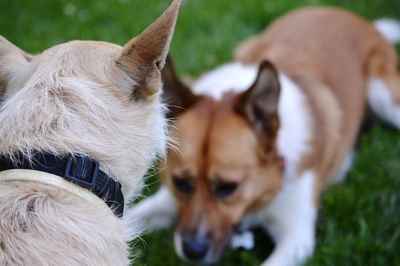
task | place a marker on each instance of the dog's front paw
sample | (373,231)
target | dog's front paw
(243,240)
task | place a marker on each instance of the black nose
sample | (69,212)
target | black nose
(194,248)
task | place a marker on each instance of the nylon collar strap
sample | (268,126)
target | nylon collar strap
(79,170)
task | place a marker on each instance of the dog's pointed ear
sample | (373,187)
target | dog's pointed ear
(259,104)
(177,96)
(144,56)
(13,62)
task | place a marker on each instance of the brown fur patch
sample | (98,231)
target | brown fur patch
(217,145)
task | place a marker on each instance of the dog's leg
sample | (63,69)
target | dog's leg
(345,167)
(384,96)
(155,212)
(292,223)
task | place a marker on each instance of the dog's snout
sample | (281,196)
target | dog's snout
(195,248)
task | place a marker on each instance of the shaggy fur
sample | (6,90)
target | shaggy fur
(84,98)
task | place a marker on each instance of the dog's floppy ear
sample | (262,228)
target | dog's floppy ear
(144,56)
(176,94)
(259,104)
(13,62)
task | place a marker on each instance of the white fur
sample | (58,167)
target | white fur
(389,28)
(291,221)
(228,77)
(295,116)
(178,244)
(345,168)
(381,102)
(243,240)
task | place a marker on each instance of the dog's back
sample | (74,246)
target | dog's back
(332,55)
(43,225)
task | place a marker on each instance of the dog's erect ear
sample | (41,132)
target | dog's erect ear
(144,56)
(259,104)
(176,94)
(13,62)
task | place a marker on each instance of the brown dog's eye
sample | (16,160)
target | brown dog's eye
(223,190)
(182,185)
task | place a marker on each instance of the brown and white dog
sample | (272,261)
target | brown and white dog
(85,98)
(297,92)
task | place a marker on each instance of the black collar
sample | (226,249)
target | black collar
(80,170)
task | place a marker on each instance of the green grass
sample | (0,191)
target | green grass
(359,221)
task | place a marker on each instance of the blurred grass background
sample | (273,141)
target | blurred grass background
(359,221)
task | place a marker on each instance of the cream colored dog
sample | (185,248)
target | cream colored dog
(85,98)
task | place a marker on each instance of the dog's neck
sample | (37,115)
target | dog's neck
(80,171)
(27,175)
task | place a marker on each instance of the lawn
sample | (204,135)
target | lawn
(359,221)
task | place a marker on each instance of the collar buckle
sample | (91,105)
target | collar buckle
(82,170)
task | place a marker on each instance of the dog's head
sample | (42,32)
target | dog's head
(91,98)
(226,163)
